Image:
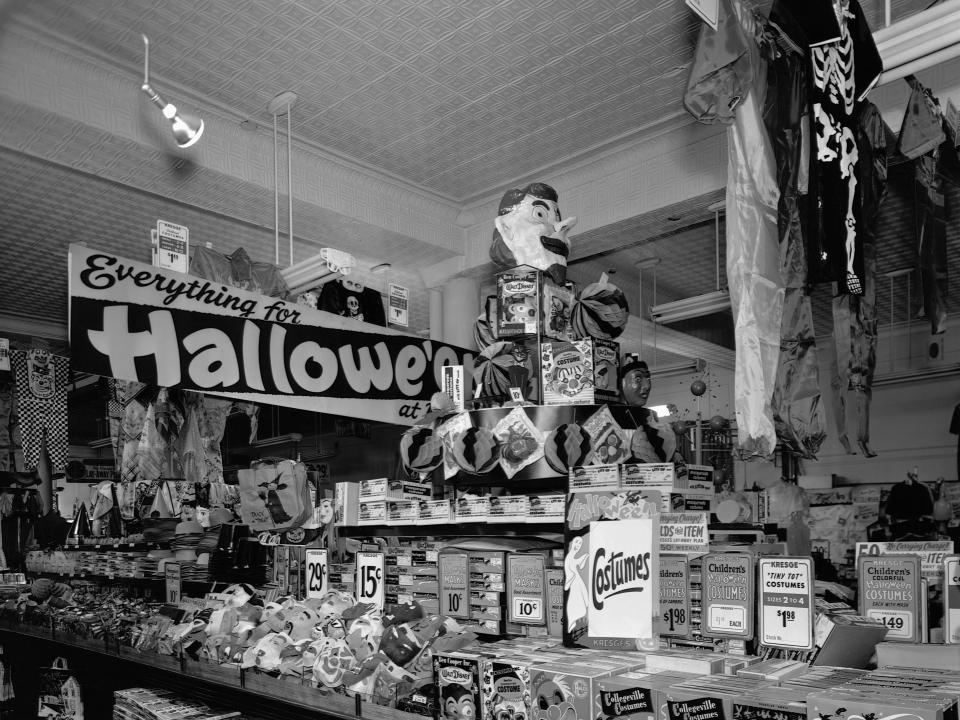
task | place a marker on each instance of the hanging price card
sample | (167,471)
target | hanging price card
(454,571)
(370,578)
(728,594)
(674,595)
(173,245)
(889,590)
(554,601)
(526,591)
(315,572)
(951,599)
(786,602)
(171,572)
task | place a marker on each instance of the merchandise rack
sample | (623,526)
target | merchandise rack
(263,695)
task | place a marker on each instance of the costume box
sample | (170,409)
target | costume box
(457,679)
(581,372)
(565,690)
(505,686)
(530,303)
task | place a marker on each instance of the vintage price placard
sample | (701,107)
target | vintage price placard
(399,305)
(315,572)
(370,578)
(594,477)
(554,601)
(684,532)
(951,599)
(174,589)
(889,589)
(526,589)
(786,602)
(173,246)
(674,595)
(930,552)
(454,576)
(728,593)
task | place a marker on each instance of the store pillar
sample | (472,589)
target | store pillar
(460,307)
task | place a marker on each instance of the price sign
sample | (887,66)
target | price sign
(173,246)
(315,572)
(454,571)
(526,591)
(684,532)
(554,601)
(728,594)
(890,591)
(5,354)
(674,595)
(399,305)
(930,552)
(370,578)
(171,572)
(951,599)
(786,602)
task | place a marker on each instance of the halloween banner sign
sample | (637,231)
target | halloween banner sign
(133,321)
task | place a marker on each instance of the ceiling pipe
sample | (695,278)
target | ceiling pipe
(919,41)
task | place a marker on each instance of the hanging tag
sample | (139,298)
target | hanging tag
(708,10)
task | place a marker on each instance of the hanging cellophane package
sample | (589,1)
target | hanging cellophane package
(59,695)
(274,495)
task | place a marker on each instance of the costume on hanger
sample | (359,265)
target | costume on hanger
(845,64)
(353,301)
(797,410)
(753,263)
(855,316)
(42,380)
(921,136)
(239,271)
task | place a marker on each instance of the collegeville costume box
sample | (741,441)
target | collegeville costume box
(530,303)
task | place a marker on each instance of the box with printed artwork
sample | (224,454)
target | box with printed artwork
(529,302)
(611,570)
(580,372)
(456,676)
(565,690)
(505,686)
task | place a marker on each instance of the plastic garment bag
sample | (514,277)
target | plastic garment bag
(753,263)
(796,399)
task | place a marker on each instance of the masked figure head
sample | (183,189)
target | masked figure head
(530,231)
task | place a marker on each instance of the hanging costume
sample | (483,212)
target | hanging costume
(855,316)
(721,78)
(239,271)
(796,397)
(844,66)
(42,380)
(364,304)
(921,136)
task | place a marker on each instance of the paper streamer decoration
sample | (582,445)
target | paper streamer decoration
(566,447)
(421,450)
(601,311)
(476,450)
(483,332)
(490,372)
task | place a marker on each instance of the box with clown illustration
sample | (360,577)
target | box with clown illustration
(582,372)
(611,573)
(565,690)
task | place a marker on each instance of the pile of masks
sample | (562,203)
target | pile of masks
(333,641)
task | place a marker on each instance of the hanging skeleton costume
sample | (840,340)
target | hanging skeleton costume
(797,410)
(844,65)
(855,316)
(42,381)
(753,265)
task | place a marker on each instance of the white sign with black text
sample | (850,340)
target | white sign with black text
(315,572)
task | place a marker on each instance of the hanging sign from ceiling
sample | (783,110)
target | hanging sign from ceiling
(132,321)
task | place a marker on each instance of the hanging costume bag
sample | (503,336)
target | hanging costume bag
(274,495)
(59,693)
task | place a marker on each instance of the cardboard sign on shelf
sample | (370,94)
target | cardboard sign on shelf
(674,595)
(526,591)
(370,587)
(930,552)
(890,591)
(951,599)
(173,585)
(315,572)
(728,594)
(453,572)
(786,602)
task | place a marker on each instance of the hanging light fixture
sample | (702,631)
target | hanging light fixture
(187,129)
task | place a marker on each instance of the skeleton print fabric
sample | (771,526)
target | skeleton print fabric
(356,301)
(844,65)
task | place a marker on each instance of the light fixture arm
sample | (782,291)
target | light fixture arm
(187,129)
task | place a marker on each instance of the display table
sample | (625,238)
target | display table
(103,666)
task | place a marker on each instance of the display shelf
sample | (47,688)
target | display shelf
(121,578)
(114,546)
(478,529)
(288,691)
